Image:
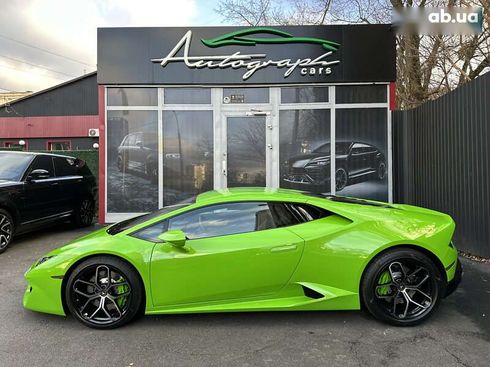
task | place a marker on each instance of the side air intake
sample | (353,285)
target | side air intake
(311,293)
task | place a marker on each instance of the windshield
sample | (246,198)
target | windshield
(131,222)
(13,166)
(340,148)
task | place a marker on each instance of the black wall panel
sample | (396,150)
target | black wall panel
(442,160)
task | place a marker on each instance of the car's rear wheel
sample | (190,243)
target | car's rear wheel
(381,170)
(402,287)
(104,292)
(84,212)
(340,178)
(6,230)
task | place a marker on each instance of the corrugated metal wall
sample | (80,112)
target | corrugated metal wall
(74,98)
(442,160)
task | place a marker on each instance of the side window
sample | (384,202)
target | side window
(283,215)
(357,148)
(43,162)
(131,140)
(307,212)
(224,219)
(370,149)
(64,167)
(152,232)
(138,138)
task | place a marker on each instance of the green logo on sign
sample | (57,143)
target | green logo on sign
(245,38)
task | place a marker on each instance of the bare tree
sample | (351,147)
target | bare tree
(427,66)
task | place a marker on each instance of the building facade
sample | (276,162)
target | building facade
(64,117)
(186,110)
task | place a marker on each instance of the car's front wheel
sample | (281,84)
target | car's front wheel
(402,287)
(104,292)
(341,178)
(6,230)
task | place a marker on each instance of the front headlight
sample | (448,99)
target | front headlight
(43,260)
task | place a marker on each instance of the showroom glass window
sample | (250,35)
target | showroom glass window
(132,150)
(187,140)
(365,162)
(187,154)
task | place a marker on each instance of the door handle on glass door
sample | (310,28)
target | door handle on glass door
(284,248)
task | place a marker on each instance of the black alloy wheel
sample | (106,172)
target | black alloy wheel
(402,287)
(103,292)
(340,179)
(6,230)
(84,213)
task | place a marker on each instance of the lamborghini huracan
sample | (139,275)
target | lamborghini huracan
(254,249)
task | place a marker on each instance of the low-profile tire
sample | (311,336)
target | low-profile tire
(341,179)
(402,287)
(381,170)
(6,229)
(84,212)
(104,292)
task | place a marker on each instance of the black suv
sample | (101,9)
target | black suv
(37,189)
(138,151)
(354,162)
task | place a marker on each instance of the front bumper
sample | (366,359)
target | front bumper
(453,283)
(43,294)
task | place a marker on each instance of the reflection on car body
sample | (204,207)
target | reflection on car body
(354,161)
(138,151)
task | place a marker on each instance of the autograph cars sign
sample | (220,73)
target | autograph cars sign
(250,61)
(254,55)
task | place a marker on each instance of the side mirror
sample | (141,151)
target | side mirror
(176,238)
(139,144)
(38,174)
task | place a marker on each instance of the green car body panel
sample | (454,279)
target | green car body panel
(256,271)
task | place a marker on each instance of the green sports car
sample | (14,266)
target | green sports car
(254,249)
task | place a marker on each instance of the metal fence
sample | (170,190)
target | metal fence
(442,160)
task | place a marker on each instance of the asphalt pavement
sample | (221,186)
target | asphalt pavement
(457,335)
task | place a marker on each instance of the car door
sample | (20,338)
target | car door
(357,159)
(42,196)
(69,182)
(233,251)
(371,153)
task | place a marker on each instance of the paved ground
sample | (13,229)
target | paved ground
(458,335)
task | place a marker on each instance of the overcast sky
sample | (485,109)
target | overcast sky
(69,28)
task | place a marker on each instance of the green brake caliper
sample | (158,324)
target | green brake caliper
(385,278)
(121,289)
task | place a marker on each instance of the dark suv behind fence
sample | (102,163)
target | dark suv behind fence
(37,189)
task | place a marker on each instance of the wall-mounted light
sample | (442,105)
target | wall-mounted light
(95,145)
(22,142)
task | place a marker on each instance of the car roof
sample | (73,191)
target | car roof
(250,193)
(36,154)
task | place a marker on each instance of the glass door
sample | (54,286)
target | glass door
(245,160)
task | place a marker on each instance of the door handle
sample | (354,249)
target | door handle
(284,248)
(54,184)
